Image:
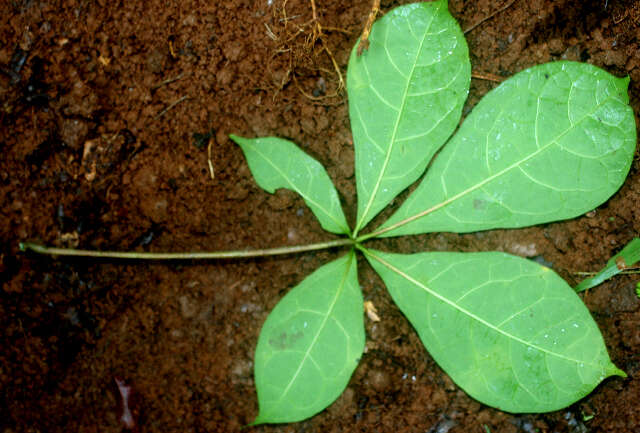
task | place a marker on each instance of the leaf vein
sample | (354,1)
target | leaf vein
(307,354)
(305,196)
(469,313)
(393,134)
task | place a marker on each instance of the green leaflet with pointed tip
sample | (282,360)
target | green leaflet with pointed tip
(310,344)
(508,331)
(550,143)
(278,163)
(406,94)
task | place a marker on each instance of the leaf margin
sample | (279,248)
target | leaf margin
(376,261)
(364,216)
(349,277)
(400,225)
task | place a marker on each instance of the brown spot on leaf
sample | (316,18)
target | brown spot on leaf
(479,204)
(285,341)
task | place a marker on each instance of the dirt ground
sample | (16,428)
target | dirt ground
(107,112)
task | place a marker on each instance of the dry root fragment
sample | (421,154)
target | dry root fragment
(210,159)
(126,417)
(104,61)
(371,311)
(89,159)
(69,240)
(487,76)
(305,53)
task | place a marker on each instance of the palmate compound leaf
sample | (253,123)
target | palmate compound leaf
(278,163)
(310,344)
(538,148)
(550,143)
(508,331)
(406,94)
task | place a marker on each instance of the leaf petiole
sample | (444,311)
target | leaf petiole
(192,255)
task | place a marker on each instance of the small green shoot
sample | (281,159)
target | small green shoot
(550,143)
(625,259)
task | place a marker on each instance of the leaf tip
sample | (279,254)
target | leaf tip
(256,421)
(622,84)
(243,142)
(261,418)
(625,80)
(236,138)
(615,371)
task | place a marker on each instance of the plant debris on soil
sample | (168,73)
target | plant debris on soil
(113,120)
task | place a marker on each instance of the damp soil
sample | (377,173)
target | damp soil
(108,116)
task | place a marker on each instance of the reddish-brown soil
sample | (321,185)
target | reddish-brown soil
(100,109)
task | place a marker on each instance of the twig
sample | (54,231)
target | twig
(173,104)
(336,29)
(270,33)
(169,81)
(364,39)
(313,11)
(487,76)
(211,171)
(502,9)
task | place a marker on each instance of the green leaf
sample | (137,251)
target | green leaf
(310,344)
(406,94)
(508,331)
(629,256)
(550,143)
(278,163)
